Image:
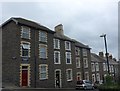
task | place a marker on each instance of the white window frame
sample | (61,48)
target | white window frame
(69,46)
(85,60)
(69,58)
(77,62)
(44,37)
(97,66)
(112,68)
(56,46)
(86,76)
(23,32)
(104,66)
(71,75)
(59,62)
(78,51)
(98,77)
(84,52)
(45,72)
(93,67)
(45,46)
(25,47)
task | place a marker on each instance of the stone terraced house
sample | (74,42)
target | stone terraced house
(35,56)
(100,69)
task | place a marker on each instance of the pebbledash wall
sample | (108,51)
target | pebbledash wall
(35,56)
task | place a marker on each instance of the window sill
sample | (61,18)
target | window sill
(25,56)
(84,55)
(69,80)
(68,49)
(43,42)
(57,63)
(41,79)
(57,48)
(43,58)
(25,38)
(68,63)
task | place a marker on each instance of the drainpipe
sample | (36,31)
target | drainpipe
(35,60)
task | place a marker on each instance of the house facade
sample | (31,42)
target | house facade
(100,69)
(69,57)
(35,56)
(25,51)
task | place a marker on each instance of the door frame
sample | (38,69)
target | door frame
(28,70)
(59,77)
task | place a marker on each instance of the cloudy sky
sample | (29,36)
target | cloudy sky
(83,20)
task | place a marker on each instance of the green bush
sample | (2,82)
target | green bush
(109,80)
(109,84)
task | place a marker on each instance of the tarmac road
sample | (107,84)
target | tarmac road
(38,89)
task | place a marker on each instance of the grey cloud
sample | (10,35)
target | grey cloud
(82,20)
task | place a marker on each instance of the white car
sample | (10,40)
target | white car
(84,84)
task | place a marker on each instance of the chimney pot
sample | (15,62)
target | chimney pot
(110,56)
(101,54)
(107,54)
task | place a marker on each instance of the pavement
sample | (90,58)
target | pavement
(43,89)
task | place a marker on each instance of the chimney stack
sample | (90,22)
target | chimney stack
(107,54)
(101,54)
(110,56)
(59,29)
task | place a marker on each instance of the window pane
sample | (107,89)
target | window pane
(56,43)
(86,76)
(85,62)
(67,45)
(68,57)
(69,75)
(42,36)
(42,55)
(25,35)
(77,62)
(26,46)
(56,57)
(77,51)
(25,32)
(43,71)
(84,52)
(43,75)
(25,52)
(43,51)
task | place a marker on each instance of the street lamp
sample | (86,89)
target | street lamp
(104,35)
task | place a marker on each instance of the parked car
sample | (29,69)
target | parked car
(84,84)
(97,84)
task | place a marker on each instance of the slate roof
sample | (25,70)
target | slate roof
(64,37)
(96,58)
(111,61)
(77,43)
(28,23)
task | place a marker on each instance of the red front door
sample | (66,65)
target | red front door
(24,77)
